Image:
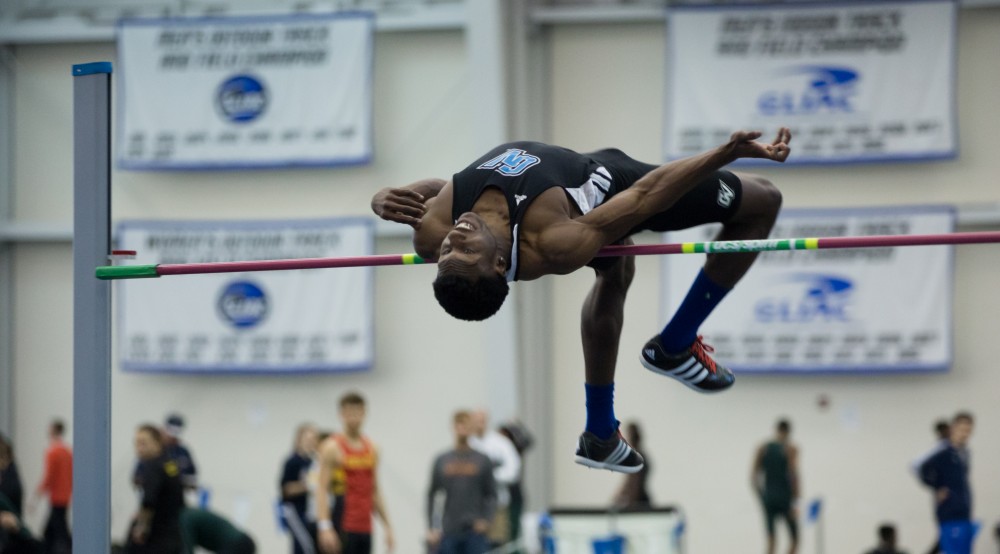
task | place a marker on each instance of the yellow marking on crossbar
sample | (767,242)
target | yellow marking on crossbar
(688,247)
(812,244)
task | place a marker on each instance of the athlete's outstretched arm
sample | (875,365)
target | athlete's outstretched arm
(569,245)
(407,204)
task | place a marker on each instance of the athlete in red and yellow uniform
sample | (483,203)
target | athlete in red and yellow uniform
(348,464)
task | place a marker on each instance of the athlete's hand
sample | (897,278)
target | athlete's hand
(400,205)
(744,144)
(942,494)
(480,526)
(328,542)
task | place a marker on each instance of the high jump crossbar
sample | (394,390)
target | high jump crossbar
(713,247)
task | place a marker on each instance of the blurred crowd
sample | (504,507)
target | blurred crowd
(330,496)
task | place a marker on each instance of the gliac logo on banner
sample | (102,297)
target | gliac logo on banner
(808,298)
(243,304)
(241,98)
(826,89)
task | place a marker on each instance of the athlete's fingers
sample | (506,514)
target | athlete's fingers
(781,152)
(415,211)
(402,218)
(407,204)
(408,193)
(746,136)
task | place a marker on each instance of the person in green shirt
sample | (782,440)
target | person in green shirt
(214,533)
(775,478)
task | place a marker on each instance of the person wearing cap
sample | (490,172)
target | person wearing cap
(174,449)
(173,428)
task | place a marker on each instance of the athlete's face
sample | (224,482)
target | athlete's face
(470,249)
(352,415)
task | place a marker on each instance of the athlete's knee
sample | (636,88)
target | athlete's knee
(617,277)
(760,203)
(767,196)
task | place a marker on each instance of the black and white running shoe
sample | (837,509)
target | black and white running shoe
(693,367)
(614,453)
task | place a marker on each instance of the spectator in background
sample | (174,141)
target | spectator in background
(349,462)
(465,477)
(886,541)
(57,482)
(156,528)
(775,479)
(941,433)
(633,494)
(295,490)
(522,440)
(506,471)
(10,480)
(170,436)
(212,532)
(173,428)
(947,473)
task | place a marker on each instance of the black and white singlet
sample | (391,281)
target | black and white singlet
(524,170)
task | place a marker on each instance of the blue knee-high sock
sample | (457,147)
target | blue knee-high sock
(701,299)
(601,410)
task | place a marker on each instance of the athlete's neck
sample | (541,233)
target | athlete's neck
(492,207)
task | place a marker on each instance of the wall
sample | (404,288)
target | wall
(855,454)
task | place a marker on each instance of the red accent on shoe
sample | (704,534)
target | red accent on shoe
(701,352)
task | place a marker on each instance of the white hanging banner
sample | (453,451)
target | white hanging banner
(259,322)
(856,82)
(269,91)
(837,310)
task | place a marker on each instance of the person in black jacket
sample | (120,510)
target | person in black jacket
(10,480)
(156,529)
(947,473)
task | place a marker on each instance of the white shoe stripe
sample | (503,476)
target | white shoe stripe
(620,453)
(700,377)
(684,367)
(694,371)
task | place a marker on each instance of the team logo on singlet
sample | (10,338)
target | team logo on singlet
(518,198)
(726,194)
(511,163)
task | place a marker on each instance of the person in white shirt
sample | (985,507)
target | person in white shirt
(506,470)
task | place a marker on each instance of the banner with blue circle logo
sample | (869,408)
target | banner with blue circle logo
(838,310)
(856,82)
(260,322)
(267,91)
